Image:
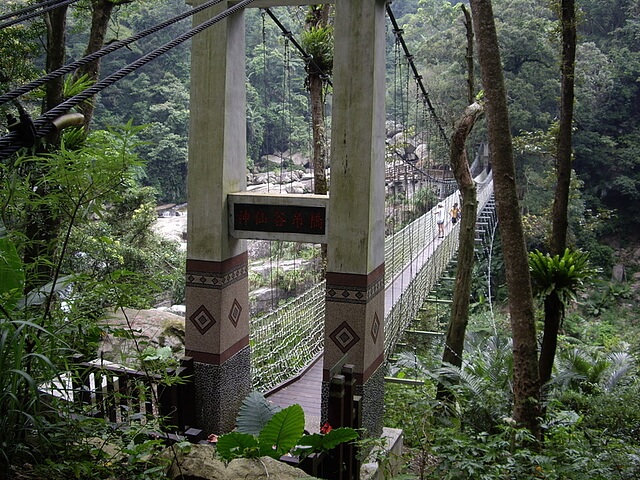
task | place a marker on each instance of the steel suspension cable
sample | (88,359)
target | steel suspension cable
(425,95)
(25,10)
(43,123)
(112,47)
(36,14)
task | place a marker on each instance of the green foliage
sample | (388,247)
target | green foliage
(19,47)
(22,366)
(255,412)
(318,42)
(91,193)
(11,274)
(99,451)
(591,369)
(423,201)
(323,442)
(267,431)
(563,275)
(278,436)
(238,445)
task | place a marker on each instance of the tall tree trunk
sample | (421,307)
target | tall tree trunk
(316,85)
(56,23)
(553,310)
(526,380)
(468,24)
(553,307)
(457,329)
(564,140)
(100,18)
(41,225)
(318,17)
(454,344)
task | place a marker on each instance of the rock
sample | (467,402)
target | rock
(299,159)
(173,228)
(422,152)
(156,326)
(296,187)
(392,128)
(200,463)
(618,273)
(178,310)
(258,249)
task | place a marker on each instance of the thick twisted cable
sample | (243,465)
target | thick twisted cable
(36,14)
(43,123)
(112,47)
(24,11)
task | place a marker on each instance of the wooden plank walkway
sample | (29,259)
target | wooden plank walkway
(306,391)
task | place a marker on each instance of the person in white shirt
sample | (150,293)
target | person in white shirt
(440,220)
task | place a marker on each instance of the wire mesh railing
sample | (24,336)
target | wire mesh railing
(285,341)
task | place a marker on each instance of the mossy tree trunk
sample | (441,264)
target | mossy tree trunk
(454,343)
(553,306)
(526,379)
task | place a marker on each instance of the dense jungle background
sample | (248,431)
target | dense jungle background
(77,238)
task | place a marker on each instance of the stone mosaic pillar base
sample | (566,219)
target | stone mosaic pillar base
(217,337)
(221,390)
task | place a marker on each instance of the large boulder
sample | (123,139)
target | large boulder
(153,327)
(200,463)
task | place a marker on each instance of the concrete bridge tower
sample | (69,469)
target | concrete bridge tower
(217,316)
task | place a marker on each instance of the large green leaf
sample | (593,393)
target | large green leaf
(11,273)
(255,412)
(320,443)
(283,432)
(237,445)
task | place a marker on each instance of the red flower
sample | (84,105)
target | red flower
(325,428)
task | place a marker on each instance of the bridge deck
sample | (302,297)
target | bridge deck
(306,389)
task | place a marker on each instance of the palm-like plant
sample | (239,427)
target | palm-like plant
(556,280)
(586,369)
(481,385)
(483,382)
(564,275)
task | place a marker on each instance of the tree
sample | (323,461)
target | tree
(526,380)
(564,143)
(556,279)
(317,41)
(101,11)
(454,342)
(553,305)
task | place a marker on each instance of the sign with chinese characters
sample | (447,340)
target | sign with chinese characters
(301,218)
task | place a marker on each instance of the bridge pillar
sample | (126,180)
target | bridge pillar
(354,315)
(217,298)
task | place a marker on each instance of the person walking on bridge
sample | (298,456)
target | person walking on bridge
(455,213)
(439,213)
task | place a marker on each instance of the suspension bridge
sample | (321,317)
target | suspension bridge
(374,284)
(287,343)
